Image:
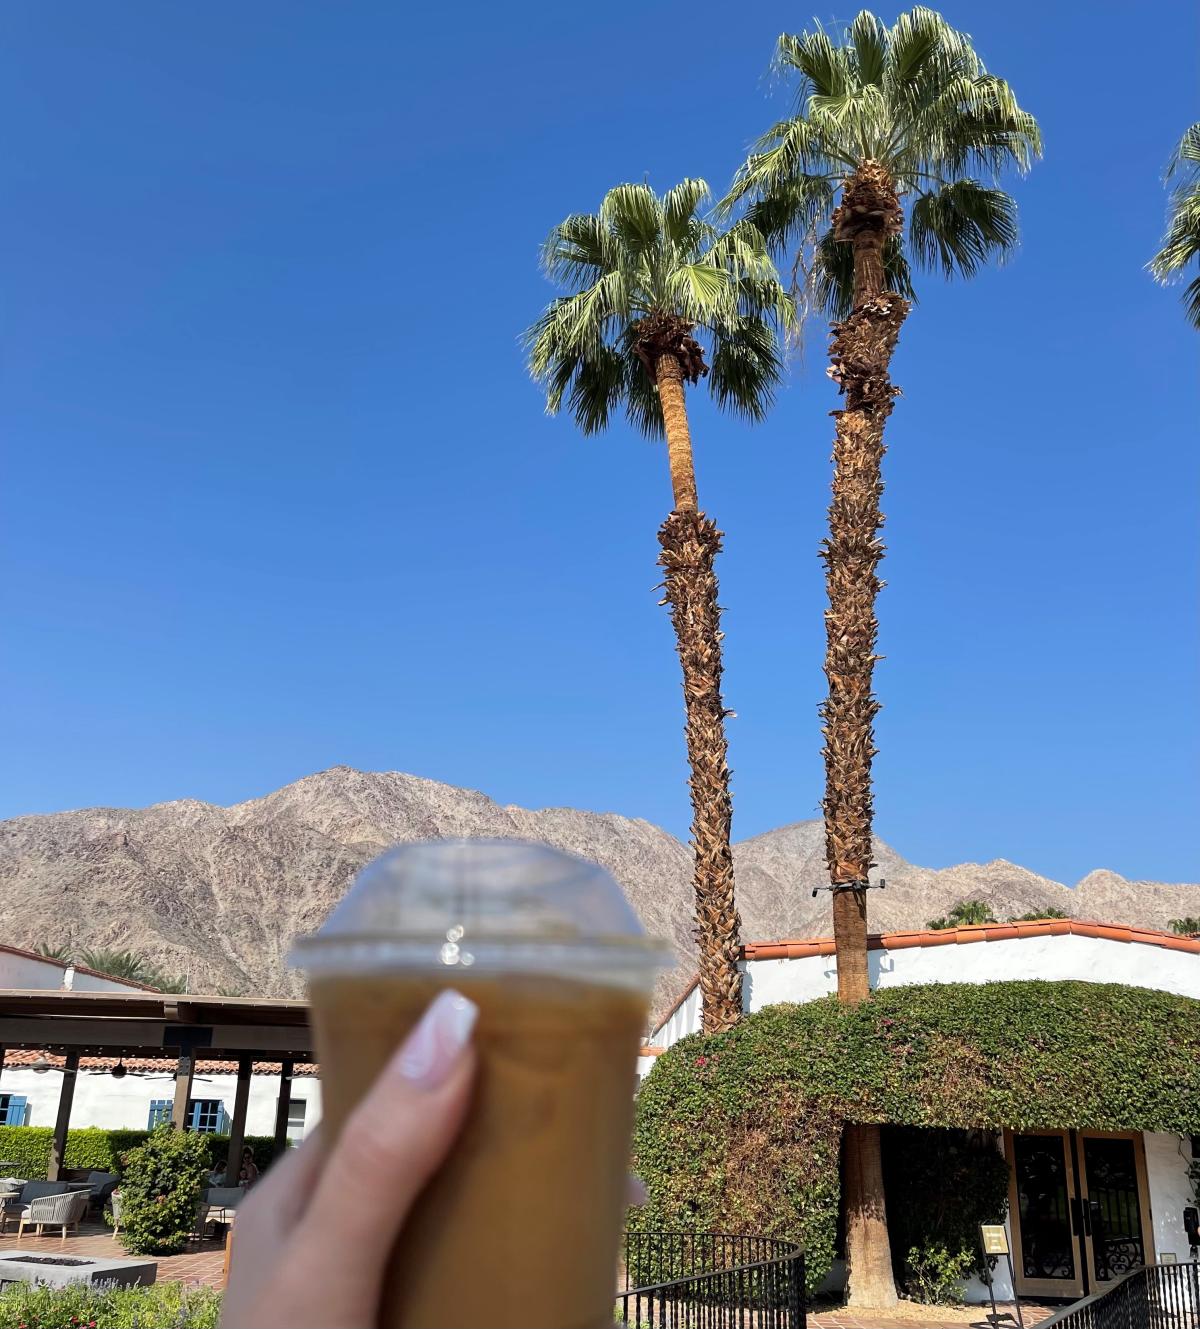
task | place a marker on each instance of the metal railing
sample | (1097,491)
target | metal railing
(1156,1296)
(710,1280)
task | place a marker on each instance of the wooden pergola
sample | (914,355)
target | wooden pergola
(146,1024)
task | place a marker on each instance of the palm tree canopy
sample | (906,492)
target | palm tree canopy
(915,98)
(642,257)
(1181,244)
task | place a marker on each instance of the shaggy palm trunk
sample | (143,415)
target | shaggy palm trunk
(690,543)
(861,353)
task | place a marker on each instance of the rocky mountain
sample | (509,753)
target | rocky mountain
(219,893)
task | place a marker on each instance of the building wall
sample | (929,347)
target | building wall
(125,1104)
(32,972)
(1091,959)
(1167,1159)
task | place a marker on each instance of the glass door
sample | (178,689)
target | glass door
(1115,1203)
(1044,1209)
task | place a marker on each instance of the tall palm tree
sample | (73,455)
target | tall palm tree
(891,125)
(659,298)
(1181,244)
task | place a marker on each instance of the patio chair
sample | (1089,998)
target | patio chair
(217,1204)
(15,1205)
(63,1210)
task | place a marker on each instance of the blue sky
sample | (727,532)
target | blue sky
(277,494)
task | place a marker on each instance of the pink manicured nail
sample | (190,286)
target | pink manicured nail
(433,1048)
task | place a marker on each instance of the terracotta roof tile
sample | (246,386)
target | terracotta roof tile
(149,1065)
(1051,927)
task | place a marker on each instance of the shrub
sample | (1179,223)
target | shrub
(160,1190)
(741,1130)
(935,1275)
(94,1147)
(160,1306)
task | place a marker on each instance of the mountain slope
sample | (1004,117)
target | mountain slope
(220,892)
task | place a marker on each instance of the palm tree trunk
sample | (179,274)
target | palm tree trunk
(669,377)
(690,543)
(861,353)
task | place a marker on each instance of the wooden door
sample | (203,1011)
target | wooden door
(1117,1230)
(1044,1211)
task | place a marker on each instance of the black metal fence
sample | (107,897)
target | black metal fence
(710,1280)
(1156,1296)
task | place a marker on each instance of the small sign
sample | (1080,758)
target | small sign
(1167,1257)
(995,1239)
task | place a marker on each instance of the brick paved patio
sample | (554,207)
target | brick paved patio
(202,1262)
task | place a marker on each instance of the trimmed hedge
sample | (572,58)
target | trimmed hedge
(94,1147)
(741,1131)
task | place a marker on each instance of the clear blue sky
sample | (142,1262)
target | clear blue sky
(277,494)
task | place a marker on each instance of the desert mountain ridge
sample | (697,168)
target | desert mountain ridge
(218,893)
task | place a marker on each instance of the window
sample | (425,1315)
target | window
(14,1110)
(206,1115)
(295,1126)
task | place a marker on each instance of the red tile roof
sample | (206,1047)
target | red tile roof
(1047,927)
(150,1065)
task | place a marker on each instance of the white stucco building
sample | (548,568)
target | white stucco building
(1083,1204)
(142,1090)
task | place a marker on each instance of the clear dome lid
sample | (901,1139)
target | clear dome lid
(508,906)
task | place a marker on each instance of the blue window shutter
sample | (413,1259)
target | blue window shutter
(15,1110)
(224,1126)
(193,1114)
(160,1110)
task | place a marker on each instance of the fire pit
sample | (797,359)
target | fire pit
(16,1266)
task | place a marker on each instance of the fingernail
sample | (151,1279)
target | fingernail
(431,1051)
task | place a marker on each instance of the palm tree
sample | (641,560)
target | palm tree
(890,125)
(1181,244)
(131,966)
(1185,927)
(966,913)
(648,280)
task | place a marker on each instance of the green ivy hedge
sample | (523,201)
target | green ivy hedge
(741,1131)
(94,1147)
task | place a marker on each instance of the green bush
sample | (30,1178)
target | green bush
(972,1188)
(160,1191)
(160,1306)
(94,1147)
(935,1275)
(740,1131)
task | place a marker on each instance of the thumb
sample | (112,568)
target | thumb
(396,1139)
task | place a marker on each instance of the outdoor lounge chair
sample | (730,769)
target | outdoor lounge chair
(217,1205)
(29,1191)
(63,1210)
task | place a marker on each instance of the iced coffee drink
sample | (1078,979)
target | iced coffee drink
(521,1226)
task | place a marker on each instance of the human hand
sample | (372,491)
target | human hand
(313,1239)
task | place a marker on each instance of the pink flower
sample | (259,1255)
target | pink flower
(701,1061)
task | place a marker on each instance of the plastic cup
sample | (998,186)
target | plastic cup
(520,1229)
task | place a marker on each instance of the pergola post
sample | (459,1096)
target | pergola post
(58,1146)
(237,1130)
(283,1107)
(184,1070)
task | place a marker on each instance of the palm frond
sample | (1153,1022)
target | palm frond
(959,227)
(1181,243)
